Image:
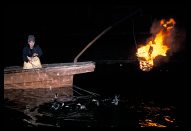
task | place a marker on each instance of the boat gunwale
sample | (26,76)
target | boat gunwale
(45,67)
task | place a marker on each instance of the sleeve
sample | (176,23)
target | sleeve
(25,55)
(39,51)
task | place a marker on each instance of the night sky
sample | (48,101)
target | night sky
(63,30)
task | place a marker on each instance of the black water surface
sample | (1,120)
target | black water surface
(146,99)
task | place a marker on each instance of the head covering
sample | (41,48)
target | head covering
(31,38)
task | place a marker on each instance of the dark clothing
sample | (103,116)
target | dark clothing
(29,52)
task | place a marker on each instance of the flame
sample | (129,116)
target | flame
(156,46)
(169,24)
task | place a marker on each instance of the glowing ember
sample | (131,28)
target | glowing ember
(156,46)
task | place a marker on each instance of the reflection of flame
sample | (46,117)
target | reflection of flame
(150,123)
(156,46)
(168,119)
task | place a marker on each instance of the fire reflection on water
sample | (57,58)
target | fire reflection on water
(145,114)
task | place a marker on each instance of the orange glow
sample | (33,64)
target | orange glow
(156,46)
(150,123)
(169,24)
(169,119)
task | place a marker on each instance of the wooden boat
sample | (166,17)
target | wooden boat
(52,80)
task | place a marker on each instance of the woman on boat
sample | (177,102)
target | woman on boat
(31,54)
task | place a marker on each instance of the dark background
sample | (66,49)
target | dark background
(63,30)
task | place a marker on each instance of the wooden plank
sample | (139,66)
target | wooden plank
(51,75)
(34,87)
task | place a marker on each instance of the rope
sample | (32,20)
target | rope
(134,36)
(85,90)
(77,92)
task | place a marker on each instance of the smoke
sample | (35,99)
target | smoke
(178,42)
(155,28)
(175,39)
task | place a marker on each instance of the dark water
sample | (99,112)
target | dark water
(125,97)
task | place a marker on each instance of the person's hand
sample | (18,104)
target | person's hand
(35,54)
(29,59)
